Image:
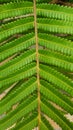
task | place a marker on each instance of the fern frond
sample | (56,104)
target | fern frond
(22,110)
(17,26)
(15,9)
(25,72)
(28,124)
(54,114)
(16,46)
(36,65)
(58,79)
(55,26)
(45,125)
(56,43)
(51,93)
(20,91)
(56,59)
(17,63)
(55,11)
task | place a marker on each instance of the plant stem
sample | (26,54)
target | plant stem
(37,62)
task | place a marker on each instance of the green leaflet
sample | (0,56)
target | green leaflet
(51,93)
(17,63)
(56,78)
(56,59)
(58,44)
(30,123)
(15,9)
(21,111)
(25,72)
(16,45)
(47,108)
(55,11)
(21,91)
(45,125)
(17,26)
(55,26)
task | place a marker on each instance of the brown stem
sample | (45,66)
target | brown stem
(37,62)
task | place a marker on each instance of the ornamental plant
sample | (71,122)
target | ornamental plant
(36,64)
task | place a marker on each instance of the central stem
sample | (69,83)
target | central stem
(37,62)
